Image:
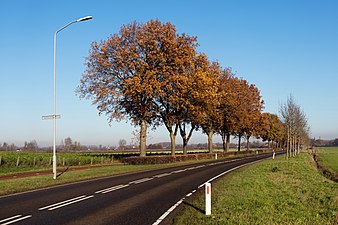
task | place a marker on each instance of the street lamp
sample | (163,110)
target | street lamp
(54,116)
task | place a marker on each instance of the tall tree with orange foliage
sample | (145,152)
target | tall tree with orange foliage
(208,101)
(246,117)
(202,97)
(272,128)
(126,73)
(227,97)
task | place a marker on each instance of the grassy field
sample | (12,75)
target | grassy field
(271,192)
(329,158)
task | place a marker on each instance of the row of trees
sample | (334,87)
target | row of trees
(28,146)
(68,144)
(296,129)
(7,147)
(151,75)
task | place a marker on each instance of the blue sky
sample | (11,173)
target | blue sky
(284,47)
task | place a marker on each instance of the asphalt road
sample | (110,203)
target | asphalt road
(137,198)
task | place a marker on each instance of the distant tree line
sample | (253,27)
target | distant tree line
(152,75)
(324,143)
(7,147)
(28,146)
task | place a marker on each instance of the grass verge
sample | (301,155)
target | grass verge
(271,192)
(329,158)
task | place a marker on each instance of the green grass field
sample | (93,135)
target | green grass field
(270,192)
(329,157)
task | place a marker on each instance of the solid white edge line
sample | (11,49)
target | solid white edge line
(164,215)
(59,203)
(69,203)
(14,221)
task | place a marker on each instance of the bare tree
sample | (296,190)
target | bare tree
(31,145)
(122,144)
(295,126)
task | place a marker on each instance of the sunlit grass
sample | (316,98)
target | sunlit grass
(329,157)
(271,192)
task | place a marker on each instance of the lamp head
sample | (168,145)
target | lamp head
(84,18)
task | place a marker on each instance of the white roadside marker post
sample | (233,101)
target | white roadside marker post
(216,156)
(208,199)
(273,155)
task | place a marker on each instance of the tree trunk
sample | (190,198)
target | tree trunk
(287,143)
(210,141)
(143,133)
(223,142)
(227,143)
(239,142)
(247,143)
(185,151)
(185,139)
(172,142)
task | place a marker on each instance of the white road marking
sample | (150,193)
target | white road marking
(190,168)
(162,175)
(178,171)
(141,180)
(197,167)
(67,202)
(14,219)
(107,190)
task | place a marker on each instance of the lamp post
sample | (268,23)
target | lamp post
(54,116)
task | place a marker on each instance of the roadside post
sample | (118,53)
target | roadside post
(208,199)
(273,155)
(216,156)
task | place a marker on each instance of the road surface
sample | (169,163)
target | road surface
(138,198)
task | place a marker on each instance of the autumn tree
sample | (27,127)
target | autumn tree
(206,100)
(253,102)
(240,106)
(174,60)
(226,96)
(272,128)
(126,73)
(200,99)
